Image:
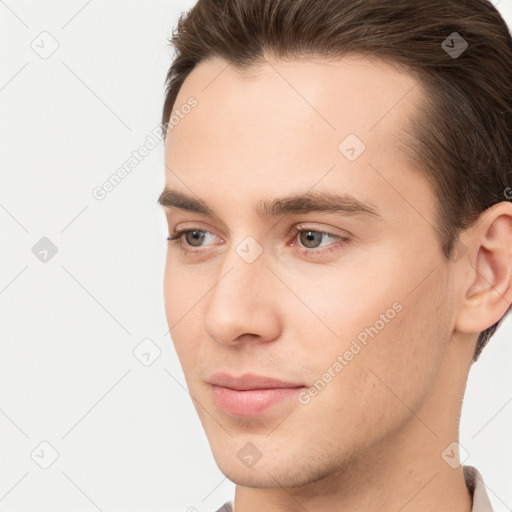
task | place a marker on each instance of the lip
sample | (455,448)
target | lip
(249,381)
(250,394)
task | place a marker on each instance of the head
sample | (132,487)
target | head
(357,123)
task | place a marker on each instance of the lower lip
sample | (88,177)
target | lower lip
(250,402)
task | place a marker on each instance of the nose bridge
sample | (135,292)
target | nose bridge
(244,267)
(241,301)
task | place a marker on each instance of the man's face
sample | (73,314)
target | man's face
(360,316)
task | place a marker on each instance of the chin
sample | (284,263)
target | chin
(268,472)
(248,478)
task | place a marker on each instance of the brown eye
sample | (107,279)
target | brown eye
(194,236)
(187,240)
(315,242)
(309,238)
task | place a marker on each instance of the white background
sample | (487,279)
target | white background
(127,435)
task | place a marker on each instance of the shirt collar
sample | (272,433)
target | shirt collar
(476,487)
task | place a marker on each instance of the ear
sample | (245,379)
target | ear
(484,277)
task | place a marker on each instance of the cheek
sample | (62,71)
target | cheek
(389,330)
(400,363)
(182,295)
(382,379)
(172,287)
(183,289)
(352,300)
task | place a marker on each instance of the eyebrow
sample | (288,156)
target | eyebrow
(310,202)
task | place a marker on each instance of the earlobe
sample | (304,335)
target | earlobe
(487,295)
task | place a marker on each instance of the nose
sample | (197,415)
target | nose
(243,304)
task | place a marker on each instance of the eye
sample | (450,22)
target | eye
(196,236)
(309,241)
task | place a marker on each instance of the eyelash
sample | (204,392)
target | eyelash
(176,237)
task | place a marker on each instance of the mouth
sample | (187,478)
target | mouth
(251,394)
(250,381)
(250,402)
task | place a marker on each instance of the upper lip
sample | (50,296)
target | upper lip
(250,381)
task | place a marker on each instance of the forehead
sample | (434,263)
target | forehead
(350,94)
(293,125)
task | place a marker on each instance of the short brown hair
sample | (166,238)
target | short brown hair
(461,135)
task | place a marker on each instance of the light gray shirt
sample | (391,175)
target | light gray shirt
(474,483)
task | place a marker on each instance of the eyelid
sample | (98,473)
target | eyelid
(304,226)
(194,227)
(293,230)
